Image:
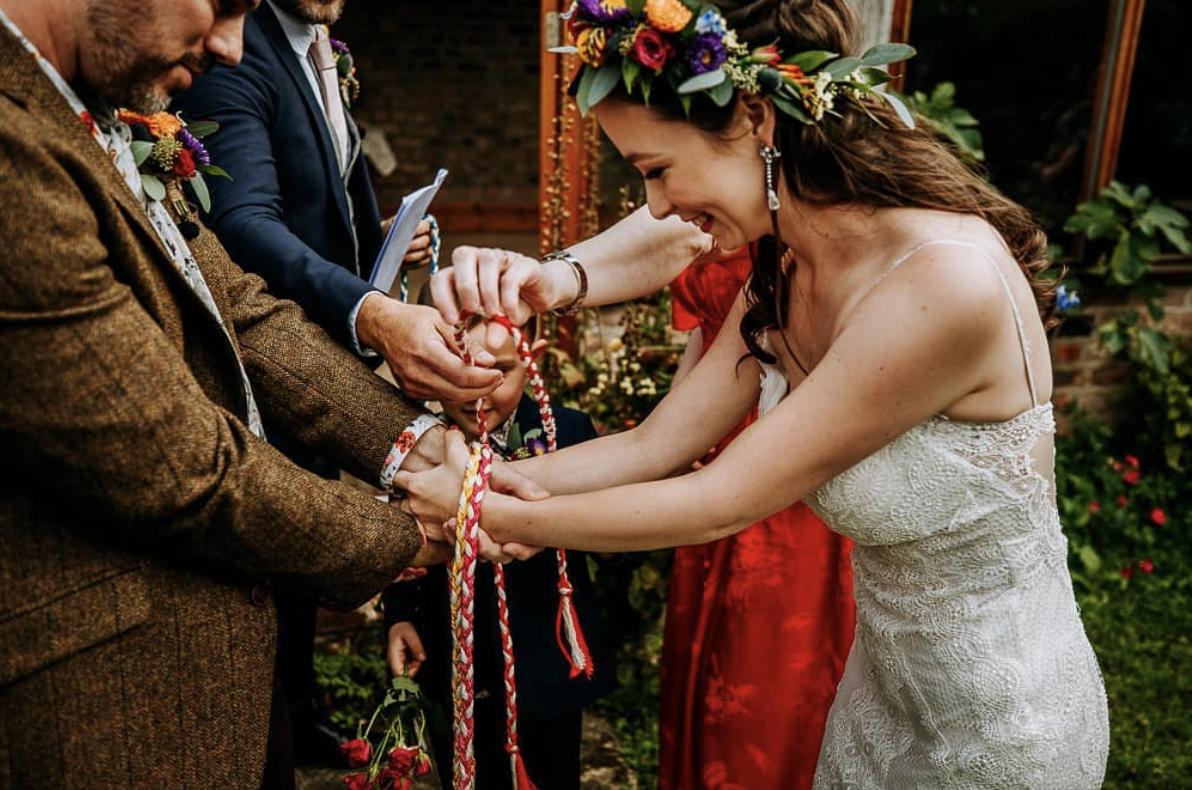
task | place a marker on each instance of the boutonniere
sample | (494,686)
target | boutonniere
(527,446)
(173,158)
(345,66)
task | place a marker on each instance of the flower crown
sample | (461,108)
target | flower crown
(688,44)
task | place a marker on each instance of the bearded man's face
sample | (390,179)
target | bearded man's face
(314,12)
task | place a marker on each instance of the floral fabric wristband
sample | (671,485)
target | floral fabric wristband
(403,445)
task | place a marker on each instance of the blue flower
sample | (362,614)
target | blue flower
(1065,299)
(710,21)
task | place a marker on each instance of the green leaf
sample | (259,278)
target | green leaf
(199,187)
(140,151)
(887,53)
(1124,266)
(700,82)
(647,86)
(904,114)
(1156,311)
(154,189)
(214,170)
(202,129)
(1090,558)
(636,7)
(630,70)
(685,100)
(606,79)
(875,76)
(810,60)
(791,109)
(585,88)
(1155,348)
(722,94)
(842,67)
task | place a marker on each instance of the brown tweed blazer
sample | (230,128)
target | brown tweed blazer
(141,523)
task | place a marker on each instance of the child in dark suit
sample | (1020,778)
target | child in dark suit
(550,703)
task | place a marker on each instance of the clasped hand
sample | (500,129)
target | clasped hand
(433,497)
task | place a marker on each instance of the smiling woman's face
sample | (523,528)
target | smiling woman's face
(715,181)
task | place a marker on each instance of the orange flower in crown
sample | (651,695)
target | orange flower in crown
(668,16)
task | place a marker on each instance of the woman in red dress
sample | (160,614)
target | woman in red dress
(758,625)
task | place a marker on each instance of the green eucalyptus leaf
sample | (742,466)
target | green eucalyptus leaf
(887,53)
(202,128)
(722,94)
(154,189)
(810,60)
(842,67)
(875,76)
(701,82)
(903,112)
(647,86)
(685,100)
(199,187)
(791,109)
(603,83)
(630,71)
(140,151)
(585,88)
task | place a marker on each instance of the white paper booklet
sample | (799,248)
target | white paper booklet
(401,233)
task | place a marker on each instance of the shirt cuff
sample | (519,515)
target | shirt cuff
(403,445)
(352,316)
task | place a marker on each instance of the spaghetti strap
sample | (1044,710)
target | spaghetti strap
(1024,344)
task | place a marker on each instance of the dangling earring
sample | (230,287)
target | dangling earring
(769,154)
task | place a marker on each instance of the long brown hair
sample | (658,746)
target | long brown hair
(853,158)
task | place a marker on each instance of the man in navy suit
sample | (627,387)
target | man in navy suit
(300,211)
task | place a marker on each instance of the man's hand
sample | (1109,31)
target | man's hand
(420,349)
(501,282)
(405,652)
(418,253)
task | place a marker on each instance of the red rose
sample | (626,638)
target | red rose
(356,751)
(402,758)
(1146,566)
(356,782)
(651,49)
(392,779)
(184,164)
(1158,516)
(1094,507)
(1131,477)
(1121,500)
(423,766)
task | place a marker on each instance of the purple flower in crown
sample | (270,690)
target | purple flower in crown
(707,53)
(196,148)
(604,12)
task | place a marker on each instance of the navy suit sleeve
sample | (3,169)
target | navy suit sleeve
(247,212)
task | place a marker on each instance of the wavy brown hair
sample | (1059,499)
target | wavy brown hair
(865,156)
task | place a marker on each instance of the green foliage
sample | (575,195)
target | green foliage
(351,679)
(949,121)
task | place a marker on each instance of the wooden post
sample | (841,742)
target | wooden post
(1113,91)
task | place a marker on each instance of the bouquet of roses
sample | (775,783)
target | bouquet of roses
(389,748)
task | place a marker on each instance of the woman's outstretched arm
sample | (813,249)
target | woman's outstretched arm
(905,357)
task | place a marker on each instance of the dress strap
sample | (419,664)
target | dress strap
(1024,344)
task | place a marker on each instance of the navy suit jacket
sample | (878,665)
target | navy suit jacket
(286,215)
(544,687)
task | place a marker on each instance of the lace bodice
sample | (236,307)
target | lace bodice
(970,666)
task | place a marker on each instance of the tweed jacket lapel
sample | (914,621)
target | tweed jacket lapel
(23,80)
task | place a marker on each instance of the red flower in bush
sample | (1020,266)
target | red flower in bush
(1146,566)
(184,164)
(651,49)
(401,759)
(1158,516)
(356,782)
(1094,507)
(1121,500)
(1126,573)
(1132,460)
(356,751)
(1131,477)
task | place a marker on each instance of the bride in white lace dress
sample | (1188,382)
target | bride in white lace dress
(900,364)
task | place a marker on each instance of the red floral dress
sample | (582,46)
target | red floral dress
(758,625)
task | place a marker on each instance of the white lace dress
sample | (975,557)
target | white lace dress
(970,667)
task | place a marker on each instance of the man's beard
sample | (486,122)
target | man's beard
(313,12)
(117,71)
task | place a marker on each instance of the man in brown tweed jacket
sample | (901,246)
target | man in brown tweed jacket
(142,523)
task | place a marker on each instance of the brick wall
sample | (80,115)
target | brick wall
(451,84)
(1086,374)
